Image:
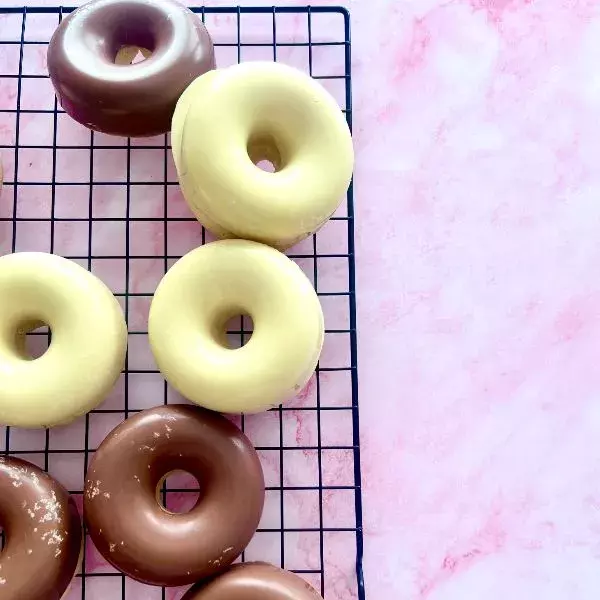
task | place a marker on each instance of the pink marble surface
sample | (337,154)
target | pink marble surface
(478,192)
(476,128)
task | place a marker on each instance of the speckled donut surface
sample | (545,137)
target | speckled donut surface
(43,533)
(130,527)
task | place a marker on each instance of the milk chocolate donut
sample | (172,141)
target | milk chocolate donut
(253,581)
(43,533)
(140,537)
(99,91)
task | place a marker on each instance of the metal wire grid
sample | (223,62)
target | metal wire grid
(238,13)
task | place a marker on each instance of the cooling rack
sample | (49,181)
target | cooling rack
(113,205)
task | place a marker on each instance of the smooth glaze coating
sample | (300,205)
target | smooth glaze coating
(209,286)
(254,581)
(229,120)
(43,533)
(96,85)
(89,340)
(140,537)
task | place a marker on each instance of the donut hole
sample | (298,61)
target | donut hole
(131,55)
(234,331)
(32,339)
(266,153)
(266,165)
(178,492)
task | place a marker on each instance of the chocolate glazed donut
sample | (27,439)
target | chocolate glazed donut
(43,533)
(140,537)
(254,581)
(98,91)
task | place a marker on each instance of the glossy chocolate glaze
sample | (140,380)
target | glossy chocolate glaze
(43,533)
(253,581)
(140,537)
(132,99)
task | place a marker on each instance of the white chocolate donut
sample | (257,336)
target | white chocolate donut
(229,120)
(209,286)
(87,351)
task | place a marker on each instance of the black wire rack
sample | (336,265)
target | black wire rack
(113,206)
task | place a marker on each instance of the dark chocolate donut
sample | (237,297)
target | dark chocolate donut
(98,91)
(253,581)
(140,537)
(43,533)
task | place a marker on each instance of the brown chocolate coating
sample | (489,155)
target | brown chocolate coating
(140,537)
(43,533)
(127,99)
(253,581)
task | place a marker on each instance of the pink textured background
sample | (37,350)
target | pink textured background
(478,211)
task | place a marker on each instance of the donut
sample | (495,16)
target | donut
(229,120)
(43,533)
(89,62)
(253,581)
(87,350)
(133,531)
(209,286)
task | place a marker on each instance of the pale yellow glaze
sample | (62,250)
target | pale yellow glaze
(179,117)
(89,340)
(230,119)
(214,283)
